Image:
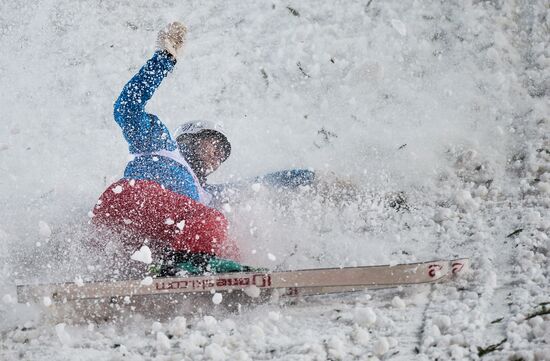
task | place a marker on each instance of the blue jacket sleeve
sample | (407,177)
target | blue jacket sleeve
(144,132)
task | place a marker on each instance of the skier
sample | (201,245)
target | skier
(162,196)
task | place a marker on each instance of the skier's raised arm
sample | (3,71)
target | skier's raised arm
(145,132)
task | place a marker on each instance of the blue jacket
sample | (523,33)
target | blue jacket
(145,133)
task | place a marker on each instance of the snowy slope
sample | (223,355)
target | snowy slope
(445,101)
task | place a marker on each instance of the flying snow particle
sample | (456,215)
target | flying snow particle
(434,332)
(336,348)
(118,189)
(180,225)
(163,342)
(169,221)
(7,299)
(217,298)
(443,322)
(399,26)
(208,323)
(44,229)
(457,352)
(397,302)
(228,324)
(364,316)
(156,326)
(252,291)
(442,214)
(147,281)
(78,281)
(256,333)
(47,301)
(143,255)
(381,346)
(463,199)
(271,257)
(63,335)
(256,187)
(227,208)
(361,336)
(123,350)
(178,326)
(214,352)
(274,316)
(544,187)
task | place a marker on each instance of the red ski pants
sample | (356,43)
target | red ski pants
(168,219)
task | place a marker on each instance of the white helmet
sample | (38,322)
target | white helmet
(196,128)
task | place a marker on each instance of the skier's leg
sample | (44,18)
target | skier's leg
(168,219)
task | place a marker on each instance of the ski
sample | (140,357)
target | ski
(292,283)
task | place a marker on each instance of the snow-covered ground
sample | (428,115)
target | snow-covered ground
(445,101)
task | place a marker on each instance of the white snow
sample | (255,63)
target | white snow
(381,346)
(215,352)
(7,298)
(399,26)
(62,334)
(398,302)
(142,255)
(208,323)
(156,327)
(544,187)
(274,316)
(44,229)
(364,316)
(336,348)
(117,189)
(178,326)
(362,336)
(252,291)
(181,225)
(217,298)
(147,281)
(444,101)
(163,342)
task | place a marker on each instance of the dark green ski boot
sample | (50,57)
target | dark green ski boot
(196,264)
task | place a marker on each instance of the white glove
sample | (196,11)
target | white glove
(172,38)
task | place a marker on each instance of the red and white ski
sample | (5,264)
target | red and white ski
(292,283)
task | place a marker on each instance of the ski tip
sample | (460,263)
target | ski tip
(460,265)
